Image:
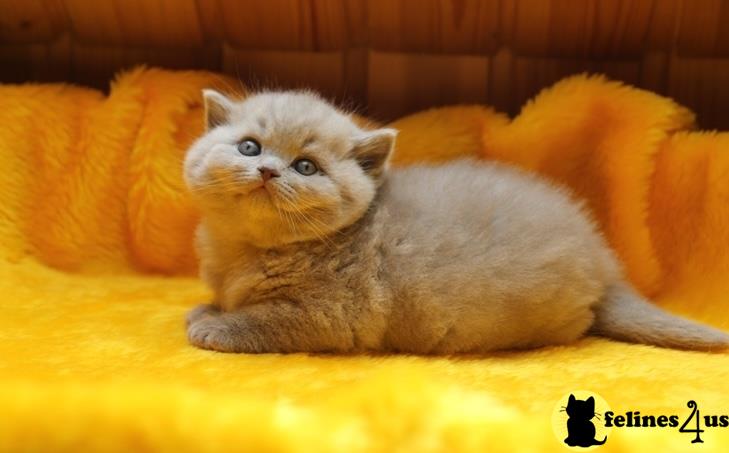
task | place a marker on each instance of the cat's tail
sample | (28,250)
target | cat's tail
(624,315)
(598,442)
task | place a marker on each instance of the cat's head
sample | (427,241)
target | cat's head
(282,167)
(582,409)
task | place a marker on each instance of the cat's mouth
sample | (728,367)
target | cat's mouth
(269,192)
(262,191)
(265,186)
(258,190)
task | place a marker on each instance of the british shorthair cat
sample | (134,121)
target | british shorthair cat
(311,243)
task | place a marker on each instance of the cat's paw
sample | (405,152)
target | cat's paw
(218,333)
(200,312)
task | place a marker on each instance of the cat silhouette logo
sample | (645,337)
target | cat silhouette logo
(577,420)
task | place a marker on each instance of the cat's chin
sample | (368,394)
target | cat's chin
(275,239)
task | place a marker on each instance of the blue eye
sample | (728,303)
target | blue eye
(305,167)
(249,147)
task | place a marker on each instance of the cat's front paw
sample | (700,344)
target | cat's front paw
(219,333)
(200,312)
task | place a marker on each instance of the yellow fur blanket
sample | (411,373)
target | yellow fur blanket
(97,271)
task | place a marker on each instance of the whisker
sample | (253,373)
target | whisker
(317,232)
(216,186)
(296,212)
(291,222)
(289,218)
(312,220)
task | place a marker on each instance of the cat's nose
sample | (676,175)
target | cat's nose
(268,173)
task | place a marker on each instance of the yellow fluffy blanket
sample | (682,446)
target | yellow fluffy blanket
(97,271)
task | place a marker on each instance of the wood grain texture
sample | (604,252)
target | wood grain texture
(514,79)
(264,69)
(97,65)
(38,62)
(700,84)
(390,56)
(704,29)
(163,23)
(459,26)
(31,21)
(402,83)
(210,16)
(288,24)
(590,28)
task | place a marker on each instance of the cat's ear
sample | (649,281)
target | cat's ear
(373,148)
(572,399)
(217,108)
(591,401)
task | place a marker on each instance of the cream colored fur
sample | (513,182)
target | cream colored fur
(464,257)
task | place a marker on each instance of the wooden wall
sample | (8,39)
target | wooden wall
(390,56)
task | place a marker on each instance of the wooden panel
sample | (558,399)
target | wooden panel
(661,29)
(400,55)
(704,29)
(38,62)
(97,65)
(136,22)
(355,78)
(701,84)
(357,13)
(591,28)
(403,83)
(654,72)
(323,71)
(530,75)
(211,20)
(29,21)
(289,24)
(500,95)
(463,26)
(513,80)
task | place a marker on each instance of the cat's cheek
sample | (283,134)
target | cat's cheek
(197,171)
(220,158)
(221,148)
(194,167)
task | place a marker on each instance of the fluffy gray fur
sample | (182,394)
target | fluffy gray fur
(463,257)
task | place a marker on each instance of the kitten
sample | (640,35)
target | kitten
(311,244)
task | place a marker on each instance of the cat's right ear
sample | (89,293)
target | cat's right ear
(572,398)
(372,149)
(217,108)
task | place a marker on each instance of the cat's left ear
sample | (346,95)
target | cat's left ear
(591,401)
(373,148)
(218,108)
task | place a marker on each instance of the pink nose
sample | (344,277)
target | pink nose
(268,173)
